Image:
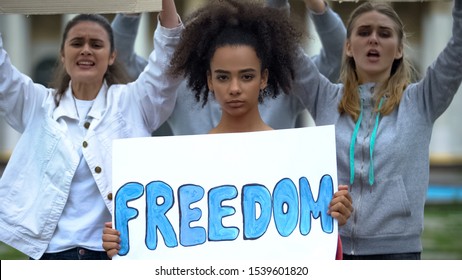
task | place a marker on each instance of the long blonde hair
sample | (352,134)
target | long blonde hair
(401,70)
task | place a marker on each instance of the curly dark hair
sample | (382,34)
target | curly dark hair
(269,31)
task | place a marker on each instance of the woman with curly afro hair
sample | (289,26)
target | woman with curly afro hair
(190,117)
(240,52)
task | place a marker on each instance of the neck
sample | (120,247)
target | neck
(83,91)
(245,123)
(369,78)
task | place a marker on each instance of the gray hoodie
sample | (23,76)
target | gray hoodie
(189,117)
(388,215)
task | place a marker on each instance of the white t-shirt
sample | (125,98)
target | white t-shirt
(82,221)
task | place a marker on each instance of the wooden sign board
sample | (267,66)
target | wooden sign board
(42,7)
(404,1)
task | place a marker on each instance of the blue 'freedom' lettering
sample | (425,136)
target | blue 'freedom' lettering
(287,206)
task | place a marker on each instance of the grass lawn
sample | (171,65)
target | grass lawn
(8,253)
(443,232)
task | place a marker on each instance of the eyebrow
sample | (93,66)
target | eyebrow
(240,71)
(380,26)
(80,38)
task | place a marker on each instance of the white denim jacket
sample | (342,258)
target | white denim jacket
(36,182)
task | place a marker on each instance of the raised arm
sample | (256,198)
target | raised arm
(169,16)
(332,33)
(125,28)
(20,97)
(443,77)
(154,87)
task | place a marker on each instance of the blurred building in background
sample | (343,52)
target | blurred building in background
(33,45)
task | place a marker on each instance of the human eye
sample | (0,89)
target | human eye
(386,33)
(363,33)
(75,43)
(97,44)
(247,77)
(221,77)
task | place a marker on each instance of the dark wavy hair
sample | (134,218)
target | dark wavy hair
(115,73)
(269,31)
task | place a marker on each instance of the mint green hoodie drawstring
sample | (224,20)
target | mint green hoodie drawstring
(372,144)
(352,145)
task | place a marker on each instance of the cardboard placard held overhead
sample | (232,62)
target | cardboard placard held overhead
(42,7)
(359,1)
(391,1)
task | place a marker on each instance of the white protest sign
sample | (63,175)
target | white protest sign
(257,196)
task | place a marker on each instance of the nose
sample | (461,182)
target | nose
(373,39)
(235,88)
(86,50)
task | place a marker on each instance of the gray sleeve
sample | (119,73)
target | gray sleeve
(125,29)
(332,33)
(442,79)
